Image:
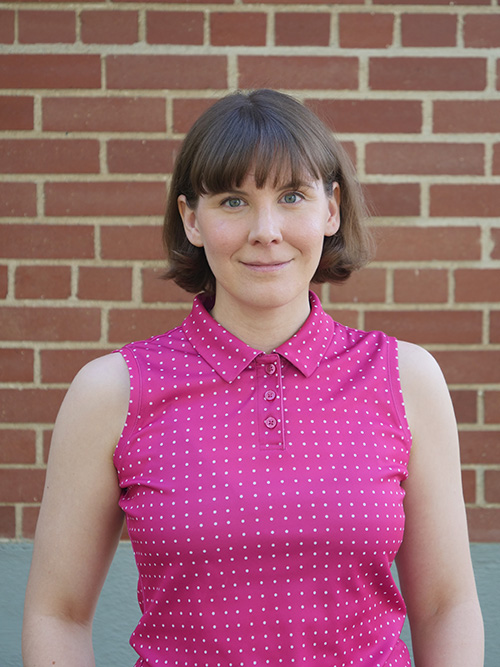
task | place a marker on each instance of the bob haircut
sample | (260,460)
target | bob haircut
(278,138)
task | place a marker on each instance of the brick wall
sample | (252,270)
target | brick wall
(95,98)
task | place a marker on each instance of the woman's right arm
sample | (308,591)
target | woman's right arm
(80,521)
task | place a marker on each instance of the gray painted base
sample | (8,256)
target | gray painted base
(118,612)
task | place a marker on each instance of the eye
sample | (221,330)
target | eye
(292,197)
(233,202)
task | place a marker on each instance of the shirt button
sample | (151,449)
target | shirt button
(271,369)
(270,395)
(270,422)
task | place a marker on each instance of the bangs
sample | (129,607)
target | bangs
(266,148)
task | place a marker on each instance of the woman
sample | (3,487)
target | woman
(270,462)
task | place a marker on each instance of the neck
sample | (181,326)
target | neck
(262,328)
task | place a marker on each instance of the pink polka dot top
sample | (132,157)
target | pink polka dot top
(263,496)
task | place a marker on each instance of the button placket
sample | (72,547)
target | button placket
(270,402)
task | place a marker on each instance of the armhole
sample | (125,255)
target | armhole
(134,401)
(396,389)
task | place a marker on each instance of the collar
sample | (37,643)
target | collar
(229,356)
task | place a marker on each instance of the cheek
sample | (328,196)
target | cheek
(310,240)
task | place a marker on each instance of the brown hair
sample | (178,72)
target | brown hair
(279,138)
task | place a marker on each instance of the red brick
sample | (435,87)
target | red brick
(492,486)
(424,158)
(186,111)
(348,317)
(300,2)
(17,446)
(16,113)
(174,27)
(428,30)
(109,27)
(466,116)
(124,198)
(476,285)
(495,236)
(16,365)
(132,242)
(302,29)
(21,485)
(482,31)
(420,286)
(469,485)
(495,326)
(127,325)
(30,405)
(465,405)
(61,366)
(60,2)
(4,281)
(105,283)
(309,72)
(366,30)
(50,324)
(449,326)
(371,116)
(47,441)
(181,72)
(351,150)
(432,2)
(492,407)
(428,243)
(366,286)
(469,366)
(50,71)
(393,199)
(101,114)
(43,282)
(17,200)
(185,2)
(237,29)
(484,524)
(7,26)
(496,159)
(155,289)
(49,156)
(470,201)
(29,521)
(155,156)
(46,27)
(46,241)
(7,522)
(480,447)
(427,73)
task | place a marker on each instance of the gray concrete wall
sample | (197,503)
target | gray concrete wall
(117,611)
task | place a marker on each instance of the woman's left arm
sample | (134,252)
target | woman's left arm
(434,563)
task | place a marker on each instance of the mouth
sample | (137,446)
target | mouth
(266,266)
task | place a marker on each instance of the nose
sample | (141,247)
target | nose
(265,226)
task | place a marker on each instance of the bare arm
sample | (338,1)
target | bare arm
(434,563)
(80,520)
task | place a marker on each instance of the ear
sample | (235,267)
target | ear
(190,221)
(333,221)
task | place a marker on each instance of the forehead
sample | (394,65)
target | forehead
(276,168)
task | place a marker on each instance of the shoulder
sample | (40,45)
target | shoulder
(415,363)
(424,388)
(108,376)
(99,394)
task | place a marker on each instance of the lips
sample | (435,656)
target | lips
(266,266)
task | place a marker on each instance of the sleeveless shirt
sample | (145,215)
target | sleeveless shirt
(263,496)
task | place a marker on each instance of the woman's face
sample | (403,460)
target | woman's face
(263,245)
